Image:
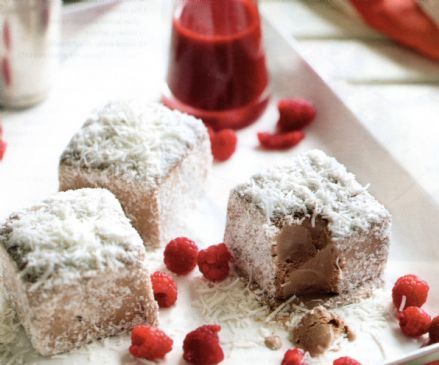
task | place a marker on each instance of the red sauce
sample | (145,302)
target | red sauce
(217,68)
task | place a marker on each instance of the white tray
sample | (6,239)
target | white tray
(415,230)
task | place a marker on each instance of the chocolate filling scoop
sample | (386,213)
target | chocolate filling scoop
(306,259)
(318,330)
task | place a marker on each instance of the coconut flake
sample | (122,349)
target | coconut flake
(235,304)
(73,234)
(403,302)
(313,184)
(134,139)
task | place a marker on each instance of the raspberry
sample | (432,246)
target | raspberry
(294,114)
(413,288)
(414,321)
(180,255)
(202,346)
(149,343)
(293,357)
(3,146)
(213,262)
(345,361)
(6,35)
(280,141)
(6,71)
(434,330)
(223,144)
(164,288)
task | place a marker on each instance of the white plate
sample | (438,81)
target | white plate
(87,81)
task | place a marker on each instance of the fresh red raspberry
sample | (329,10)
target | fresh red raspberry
(180,255)
(149,343)
(6,71)
(413,288)
(164,288)
(6,35)
(294,114)
(293,357)
(434,330)
(414,321)
(280,141)
(223,144)
(3,146)
(345,361)
(202,346)
(213,262)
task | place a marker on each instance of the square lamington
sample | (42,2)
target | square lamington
(307,227)
(75,270)
(154,160)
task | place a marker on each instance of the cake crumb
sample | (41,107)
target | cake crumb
(273,342)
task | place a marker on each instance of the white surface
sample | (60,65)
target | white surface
(393,91)
(122,57)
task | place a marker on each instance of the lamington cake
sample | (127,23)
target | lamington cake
(307,227)
(74,269)
(153,159)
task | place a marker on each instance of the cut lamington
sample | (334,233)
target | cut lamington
(75,270)
(307,227)
(153,159)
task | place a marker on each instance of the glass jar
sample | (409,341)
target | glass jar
(28,50)
(217,69)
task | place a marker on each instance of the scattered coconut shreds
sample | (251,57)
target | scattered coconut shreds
(230,302)
(370,314)
(280,309)
(233,303)
(403,301)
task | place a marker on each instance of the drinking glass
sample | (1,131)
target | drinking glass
(29,37)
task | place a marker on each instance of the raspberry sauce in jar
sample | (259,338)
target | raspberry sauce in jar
(217,69)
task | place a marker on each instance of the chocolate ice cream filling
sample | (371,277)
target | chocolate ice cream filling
(306,259)
(318,330)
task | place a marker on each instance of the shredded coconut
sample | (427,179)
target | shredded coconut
(280,308)
(230,302)
(311,185)
(403,301)
(133,139)
(72,234)
(234,303)
(370,314)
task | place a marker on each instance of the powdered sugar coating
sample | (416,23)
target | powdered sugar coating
(311,185)
(134,139)
(72,235)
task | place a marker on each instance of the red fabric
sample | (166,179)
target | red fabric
(403,21)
